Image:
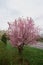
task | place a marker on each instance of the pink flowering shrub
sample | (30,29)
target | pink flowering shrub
(22,32)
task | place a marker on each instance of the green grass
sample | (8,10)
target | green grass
(10,55)
(34,56)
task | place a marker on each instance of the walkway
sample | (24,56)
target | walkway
(38,45)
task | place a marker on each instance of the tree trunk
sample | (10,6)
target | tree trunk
(20,50)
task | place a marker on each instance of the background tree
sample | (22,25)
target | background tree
(4,38)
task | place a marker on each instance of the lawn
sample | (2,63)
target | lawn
(9,55)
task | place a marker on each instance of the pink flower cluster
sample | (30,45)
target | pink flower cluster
(22,30)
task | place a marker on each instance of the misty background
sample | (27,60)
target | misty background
(11,9)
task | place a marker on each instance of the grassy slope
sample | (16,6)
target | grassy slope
(33,55)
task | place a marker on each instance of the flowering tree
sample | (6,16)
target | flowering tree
(22,32)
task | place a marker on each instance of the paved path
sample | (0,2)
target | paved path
(38,45)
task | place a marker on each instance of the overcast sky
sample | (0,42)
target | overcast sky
(11,9)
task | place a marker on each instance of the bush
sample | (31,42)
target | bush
(4,38)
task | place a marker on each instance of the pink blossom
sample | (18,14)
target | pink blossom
(22,31)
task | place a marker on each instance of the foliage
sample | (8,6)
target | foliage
(4,38)
(40,39)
